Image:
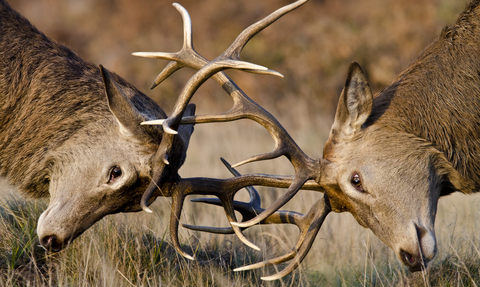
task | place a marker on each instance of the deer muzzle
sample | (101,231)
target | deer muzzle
(417,255)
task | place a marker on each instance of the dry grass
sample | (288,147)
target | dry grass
(312,47)
(133,250)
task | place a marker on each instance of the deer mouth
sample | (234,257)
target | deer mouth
(413,262)
(417,257)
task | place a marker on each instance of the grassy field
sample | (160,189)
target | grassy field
(312,47)
(133,250)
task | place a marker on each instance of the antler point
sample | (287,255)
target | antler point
(169,130)
(165,159)
(146,209)
(153,122)
(189,257)
(153,86)
(270,278)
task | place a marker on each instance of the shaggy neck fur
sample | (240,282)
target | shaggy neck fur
(47,94)
(438,97)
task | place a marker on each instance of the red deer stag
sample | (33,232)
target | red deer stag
(71,131)
(389,157)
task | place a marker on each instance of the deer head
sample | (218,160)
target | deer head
(389,180)
(105,167)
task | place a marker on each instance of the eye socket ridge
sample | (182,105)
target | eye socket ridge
(356,182)
(114,174)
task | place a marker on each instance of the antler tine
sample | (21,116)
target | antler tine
(246,209)
(308,224)
(298,253)
(231,55)
(237,46)
(291,191)
(186,57)
(171,68)
(227,203)
(225,190)
(306,169)
(255,200)
(170,125)
(177,204)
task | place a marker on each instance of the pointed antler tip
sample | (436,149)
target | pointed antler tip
(153,86)
(140,54)
(277,74)
(165,159)
(270,278)
(169,130)
(237,164)
(153,122)
(253,246)
(243,268)
(189,257)
(146,209)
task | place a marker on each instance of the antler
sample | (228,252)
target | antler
(308,224)
(305,167)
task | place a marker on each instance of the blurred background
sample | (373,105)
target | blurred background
(312,47)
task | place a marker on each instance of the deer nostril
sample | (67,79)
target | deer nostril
(49,242)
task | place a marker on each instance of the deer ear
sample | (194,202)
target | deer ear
(127,115)
(355,104)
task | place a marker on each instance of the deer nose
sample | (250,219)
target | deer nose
(51,243)
(427,243)
(419,255)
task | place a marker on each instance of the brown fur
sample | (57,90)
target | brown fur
(47,94)
(438,97)
(415,141)
(60,135)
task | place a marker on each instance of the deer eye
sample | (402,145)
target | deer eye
(356,182)
(115,173)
